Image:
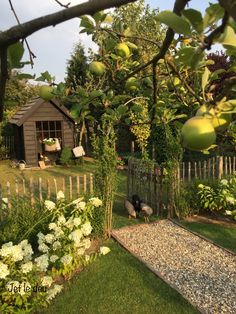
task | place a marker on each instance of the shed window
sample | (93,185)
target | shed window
(46,129)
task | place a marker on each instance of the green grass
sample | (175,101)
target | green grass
(118,283)
(224,236)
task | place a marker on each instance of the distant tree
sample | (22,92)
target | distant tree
(76,68)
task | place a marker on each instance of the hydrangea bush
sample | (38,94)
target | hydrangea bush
(221,197)
(28,278)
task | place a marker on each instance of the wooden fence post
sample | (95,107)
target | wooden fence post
(91,183)
(70,185)
(78,185)
(40,191)
(32,200)
(85,183)
(220,167)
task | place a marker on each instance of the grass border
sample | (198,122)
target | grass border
(201,236)
(155,272)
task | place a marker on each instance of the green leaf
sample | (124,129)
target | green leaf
(195,18)
(205,79)
(99,16)
(86,22)
(228,38)
(15,53)
(196,58)
(122,109)
(96,93)
(25,76)
(131,45)
(177,23)
(45,76)
(213,13)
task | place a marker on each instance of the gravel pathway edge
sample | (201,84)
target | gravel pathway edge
(154,271)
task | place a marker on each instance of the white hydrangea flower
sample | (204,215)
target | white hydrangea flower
(61,220)
(53,258)
(56,245)
(51,293)
(43,248)
(46,281)
(200,186)
(49,238)
(11,284)
(66,259)
(49,205)
(27,267)
(60,195)
(4,271)
(78,200)
(58,232)
(104,250)
(228,212)
(6,249)
(42,262)
(52,226)
(95,201)
(41,236)
(86,228)
(76,236)
(28,252)
(224,182)
(86,243)
(81,205)
(230,199)
(70,223)
(15,252)
(77,221)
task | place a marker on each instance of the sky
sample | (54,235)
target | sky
(54,45)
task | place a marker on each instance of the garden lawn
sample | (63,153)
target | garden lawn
(118,283)
(224,236)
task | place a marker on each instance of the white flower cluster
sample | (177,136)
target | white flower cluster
(42,262)
(60,195)
(104,250)
(4,271)
(95,201)
(51,293)
(49,205)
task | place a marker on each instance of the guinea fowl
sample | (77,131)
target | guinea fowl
(136,203)
(130,208)
(146,211)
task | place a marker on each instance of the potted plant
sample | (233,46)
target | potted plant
(49,144)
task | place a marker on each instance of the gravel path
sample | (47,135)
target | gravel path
(203,273)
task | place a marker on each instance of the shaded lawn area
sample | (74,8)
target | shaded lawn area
(224,236)
(118,283)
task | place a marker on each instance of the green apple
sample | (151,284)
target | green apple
(132,84)
(97,68)
(46,92)
(122,50)
(198,134)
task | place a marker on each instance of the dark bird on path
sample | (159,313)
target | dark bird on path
(146,211)
(136,201)
(130,208)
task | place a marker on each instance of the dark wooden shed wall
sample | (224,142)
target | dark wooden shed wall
(46,112)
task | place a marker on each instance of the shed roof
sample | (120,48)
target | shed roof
(28,109)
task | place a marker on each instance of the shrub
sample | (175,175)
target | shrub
(66,156)
(221,197)
(30,279)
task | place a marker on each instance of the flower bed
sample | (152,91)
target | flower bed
(31,278)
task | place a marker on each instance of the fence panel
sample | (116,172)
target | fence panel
(40,189)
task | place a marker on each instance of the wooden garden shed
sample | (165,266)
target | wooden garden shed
(37,120)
